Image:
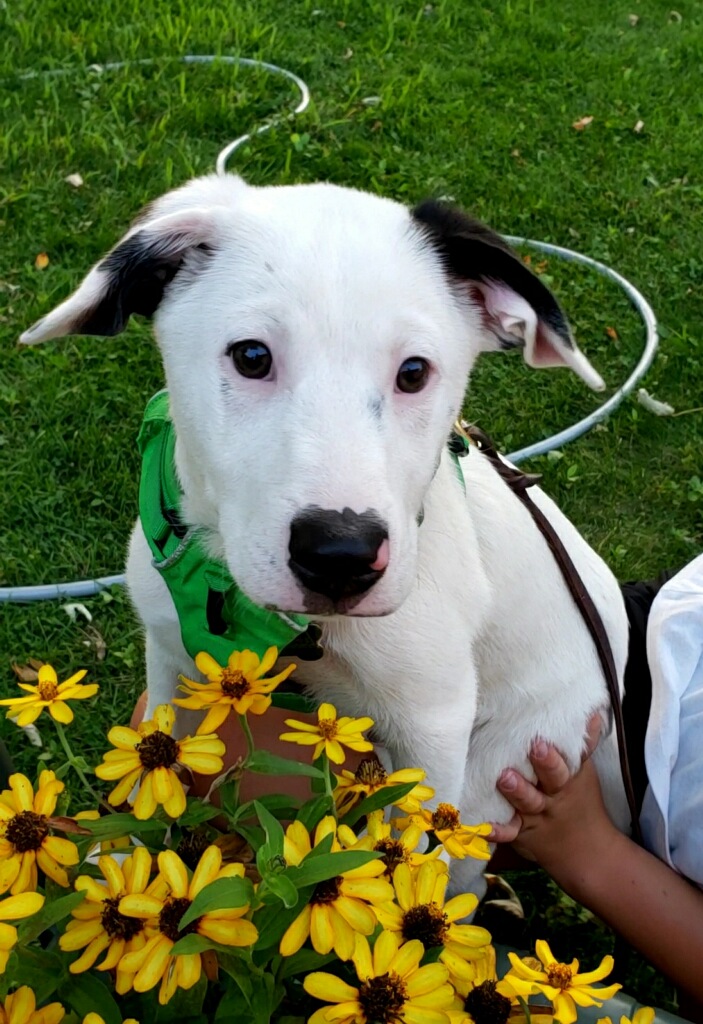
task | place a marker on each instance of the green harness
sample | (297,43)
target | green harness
(213,613)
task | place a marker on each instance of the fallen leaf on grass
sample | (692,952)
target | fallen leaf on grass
(348,53)
(96,641)
(653,405)
(73,610)
(583,122)
(633,19)
(42,261)
(28,673)
(74,179)
(612,333)
(638,127)
(541,266)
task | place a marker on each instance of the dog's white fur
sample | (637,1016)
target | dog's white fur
(469,647)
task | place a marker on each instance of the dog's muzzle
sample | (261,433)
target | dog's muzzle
(338,554)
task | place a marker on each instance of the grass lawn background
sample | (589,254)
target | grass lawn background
(473,101)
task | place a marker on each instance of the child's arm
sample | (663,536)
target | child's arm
(564,827)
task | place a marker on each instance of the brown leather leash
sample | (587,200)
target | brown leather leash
(519,482)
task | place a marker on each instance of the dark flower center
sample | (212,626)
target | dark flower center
(559,975)
(48,691)
(27,831)
(327,891)
(394,853)
(371,772)
(234,683)
(487,1006)
(170,918)
(382,999)
(445,817)
(426,923)
(159,750)
(192,846)
(117,925)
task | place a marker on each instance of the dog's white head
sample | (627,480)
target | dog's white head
(317,342)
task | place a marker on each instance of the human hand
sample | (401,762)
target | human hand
(556,818)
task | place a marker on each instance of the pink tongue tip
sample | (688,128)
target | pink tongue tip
(382,557)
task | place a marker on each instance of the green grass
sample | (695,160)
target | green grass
(474,101)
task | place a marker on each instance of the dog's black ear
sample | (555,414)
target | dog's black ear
(517,309)
(132,277)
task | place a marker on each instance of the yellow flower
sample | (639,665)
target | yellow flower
(163,913)
(151,757)
(25,835)
(21,1008)
(370,777)
(458,840)
(14,908)
(95,1018)
(239,686)
(339,907)
(98,926)
(420,913)
(393,988)
(380,838)
(560,983)
(645,1015)
(330,734)
(48,693)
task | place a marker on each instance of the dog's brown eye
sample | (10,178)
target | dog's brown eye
(413,374)
(251,358)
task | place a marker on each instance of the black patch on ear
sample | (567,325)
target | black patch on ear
(138,271)
(471,251)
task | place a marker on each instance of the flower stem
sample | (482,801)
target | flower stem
(73,761)
(328,779)
(526,1009)
(249,738)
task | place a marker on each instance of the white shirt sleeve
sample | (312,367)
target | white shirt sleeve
(672,812)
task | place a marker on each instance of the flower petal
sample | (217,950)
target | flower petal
(329,988)
(60,712)
(296,933)
(145,803)
(174,871)
(321,931)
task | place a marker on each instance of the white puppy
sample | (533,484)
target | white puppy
(317,343)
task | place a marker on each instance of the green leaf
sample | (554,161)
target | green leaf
(233,1007)
(383,798)
(221,894)
(116,826)
(280,806)
(312,812)
(241,973)
(304,961)
(190,944)
(320,868)
(254,836)
(86,993)
(281,886)
(271,764)
(198,812)
(50,914)
(41,970)
(273,847)
(324,846)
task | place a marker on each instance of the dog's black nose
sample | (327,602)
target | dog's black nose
(338,554)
